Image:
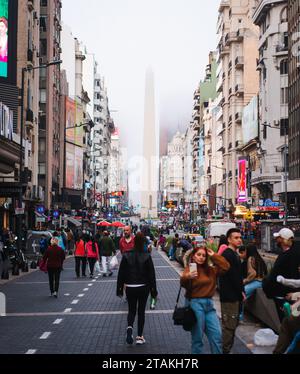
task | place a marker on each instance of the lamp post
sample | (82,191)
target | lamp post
(285,222)
(21,176)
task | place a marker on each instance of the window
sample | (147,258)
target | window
(43,96)
(283,15)
(284,68)
(284,126)
(284,96)
(265,132)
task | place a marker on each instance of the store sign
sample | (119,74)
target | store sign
(6,122)
(242,181)
(4,30)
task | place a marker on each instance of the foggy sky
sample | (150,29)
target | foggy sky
(173,36)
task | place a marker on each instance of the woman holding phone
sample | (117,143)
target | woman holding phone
(200,281)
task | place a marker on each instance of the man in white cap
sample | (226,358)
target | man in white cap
(286,265)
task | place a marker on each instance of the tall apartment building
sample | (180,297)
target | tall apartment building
(294,105)
(28,57)
(49,111)
(238,82)
(271,17)
(188,170)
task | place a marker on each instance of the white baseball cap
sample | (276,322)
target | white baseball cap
(285,234)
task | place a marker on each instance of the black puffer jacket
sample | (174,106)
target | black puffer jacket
(137,268)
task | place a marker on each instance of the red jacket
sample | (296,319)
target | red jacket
(55,257)
(80,249)
(126,247)
(90,252)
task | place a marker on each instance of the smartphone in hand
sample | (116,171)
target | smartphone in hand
(193,268)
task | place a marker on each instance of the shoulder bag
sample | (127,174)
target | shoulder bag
(184,316)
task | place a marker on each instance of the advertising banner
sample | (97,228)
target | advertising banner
(4,30)
(70,166)
(6,122)
(250,121)
(78,170)
(70,120)
(79,120)
(242,181)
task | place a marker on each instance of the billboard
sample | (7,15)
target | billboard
(70,166)
(242,181)
(250,121)
(8,40)
(6,122)
(4,29)
(78,169)
(70,120)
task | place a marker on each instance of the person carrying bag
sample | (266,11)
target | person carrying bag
(184,316)
(200,280)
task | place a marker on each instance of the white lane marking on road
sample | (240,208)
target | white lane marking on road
(67,294)
(106,313)
(90,284)
(63,282)
(94,281)
(31,352)
(81,295)
(45,335)
(57,322)
(74,302)
(86,289)
(68,310)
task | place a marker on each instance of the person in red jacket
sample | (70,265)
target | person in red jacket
(92,255)
(127,241)
(54,257)
(80,257)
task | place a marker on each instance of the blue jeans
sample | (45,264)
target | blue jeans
(249,291)
(172,253)
(208,323)
(251,287)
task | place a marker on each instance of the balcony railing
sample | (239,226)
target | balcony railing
(239,62)
(230,37)
(239,89)
(238,117)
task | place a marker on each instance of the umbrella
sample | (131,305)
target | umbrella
(118,224)
(104,224)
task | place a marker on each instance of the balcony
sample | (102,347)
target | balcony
(196,115)
(231,37)
(239,62)
(196,126)
(240,34)
(239,90)
(223,5)
(279,169)
(220,85)
(262,9)
(281,49)
(230,120)
(230,91)
(230,65)
(223,50)
(197,95)
(238,117)
(197,105)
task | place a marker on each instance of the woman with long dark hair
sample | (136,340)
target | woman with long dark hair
(200,283)
(256,270)
(137,274)
(92,254)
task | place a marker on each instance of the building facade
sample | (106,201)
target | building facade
(238,82)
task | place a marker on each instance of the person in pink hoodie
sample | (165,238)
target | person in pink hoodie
(92,255)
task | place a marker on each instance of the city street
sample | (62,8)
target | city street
(88,318)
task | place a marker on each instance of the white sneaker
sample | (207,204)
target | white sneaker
(140,340)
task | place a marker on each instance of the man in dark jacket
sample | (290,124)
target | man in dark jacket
(286,265)
(232,291)
(107,250)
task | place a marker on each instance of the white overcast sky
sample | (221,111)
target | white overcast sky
(173,36)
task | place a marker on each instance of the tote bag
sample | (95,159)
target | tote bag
(43,266)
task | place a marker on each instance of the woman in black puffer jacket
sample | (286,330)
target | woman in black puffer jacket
(137,274)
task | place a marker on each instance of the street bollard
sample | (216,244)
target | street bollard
(2,305)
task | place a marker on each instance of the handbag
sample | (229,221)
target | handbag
(184,316)
(43,266)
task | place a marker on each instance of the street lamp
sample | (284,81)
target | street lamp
(21,176)
(285,171)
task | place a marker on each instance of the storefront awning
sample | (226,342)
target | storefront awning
(74,221)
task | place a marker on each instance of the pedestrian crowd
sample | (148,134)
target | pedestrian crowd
(236,271)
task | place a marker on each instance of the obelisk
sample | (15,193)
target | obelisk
(150,155)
